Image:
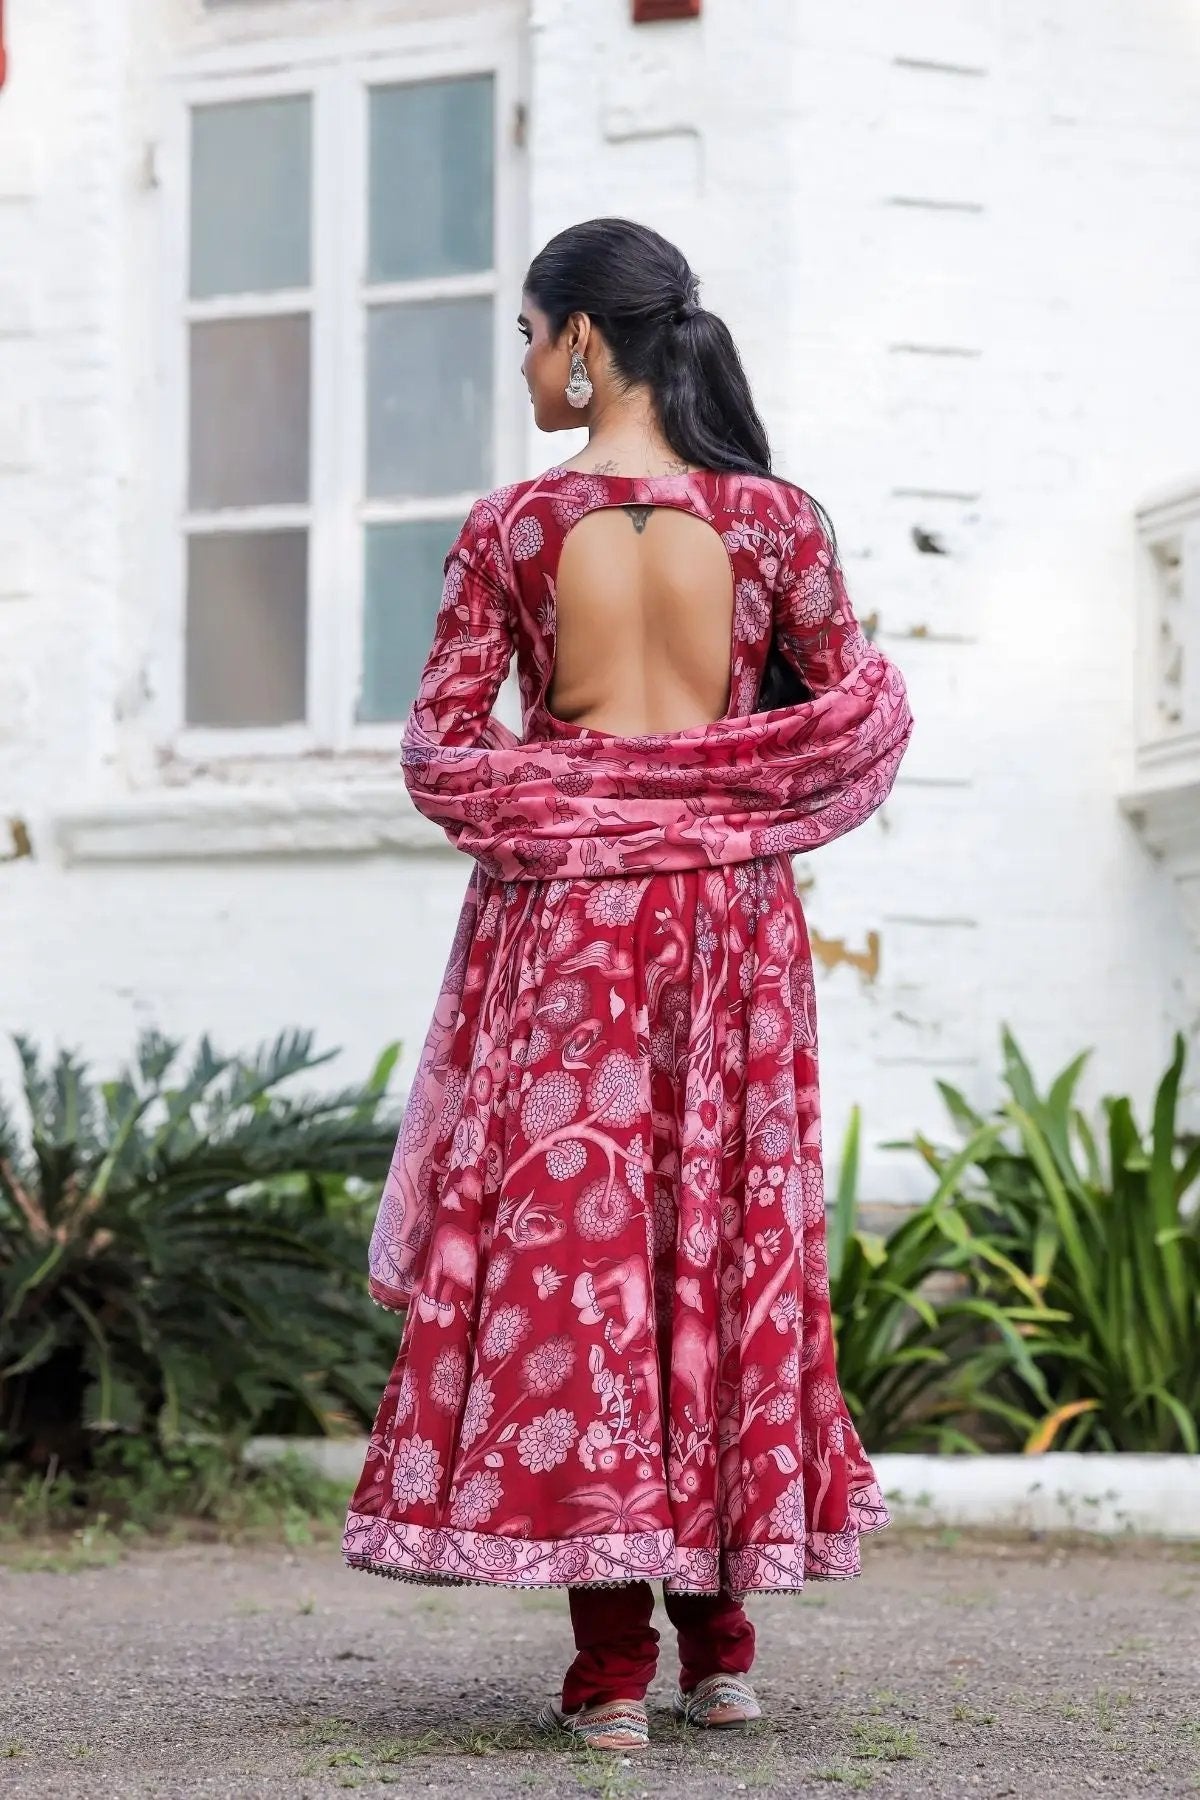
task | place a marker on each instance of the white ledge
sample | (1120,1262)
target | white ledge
(193,823)
(1112,1494)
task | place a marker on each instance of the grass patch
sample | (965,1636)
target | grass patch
(139,1490)
(877,1741)
(858,1779)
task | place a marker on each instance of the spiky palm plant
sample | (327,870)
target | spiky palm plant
(181,1248)
(1106,1225)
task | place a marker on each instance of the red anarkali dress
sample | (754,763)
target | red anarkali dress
(605,1214)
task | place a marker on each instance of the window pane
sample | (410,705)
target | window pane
(249,412)
(251,188)
(402,591)
(247,628)
(429,387)
(431,179)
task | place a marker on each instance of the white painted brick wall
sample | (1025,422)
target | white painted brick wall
(955,244)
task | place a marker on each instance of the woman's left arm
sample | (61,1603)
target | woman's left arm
(473,637)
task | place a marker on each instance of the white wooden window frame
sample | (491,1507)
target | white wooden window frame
(337,71)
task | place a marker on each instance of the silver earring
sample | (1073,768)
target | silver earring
(579,387)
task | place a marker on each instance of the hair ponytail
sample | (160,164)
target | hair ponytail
(640,292)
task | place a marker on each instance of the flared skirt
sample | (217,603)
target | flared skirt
(618,1360)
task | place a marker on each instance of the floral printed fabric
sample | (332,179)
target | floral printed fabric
(606,1203)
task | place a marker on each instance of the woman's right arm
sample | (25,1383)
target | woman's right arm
(473,636)
(815,625)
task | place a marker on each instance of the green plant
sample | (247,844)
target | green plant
(917,1329)
(181,1250)
(1105,1224)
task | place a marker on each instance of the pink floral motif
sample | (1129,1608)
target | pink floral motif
(614,902)
(480,1401)
(615,1090)
(526,539)
(603,1210)
(448,1378)
(547,1441)
(787,1514)
(549,1366)
(506,1328)
(416,1471)
(566,1159)
(476,1500)
(551,1103)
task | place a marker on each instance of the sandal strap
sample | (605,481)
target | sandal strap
(606,1719)
(712,1692)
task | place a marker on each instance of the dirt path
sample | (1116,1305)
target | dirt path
(956,1666)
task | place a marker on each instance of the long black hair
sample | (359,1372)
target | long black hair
(640,292)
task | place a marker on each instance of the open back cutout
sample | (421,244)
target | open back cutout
(644,622)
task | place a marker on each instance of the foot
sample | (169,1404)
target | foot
(619,1725)
(718,1703)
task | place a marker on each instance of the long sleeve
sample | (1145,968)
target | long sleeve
(815,625)
(473,636)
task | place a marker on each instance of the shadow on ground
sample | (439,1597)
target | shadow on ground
(958,1665)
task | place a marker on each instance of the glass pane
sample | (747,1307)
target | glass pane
(249,412)
(251,196)
(402,590)
(431,179)
(429,388)
(247,628)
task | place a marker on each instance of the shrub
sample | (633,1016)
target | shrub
(181,1250)
(1105,1225)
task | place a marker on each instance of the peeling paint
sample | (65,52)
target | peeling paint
(22,843)
(829,952)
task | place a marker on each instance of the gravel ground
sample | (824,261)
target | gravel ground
(957,1665)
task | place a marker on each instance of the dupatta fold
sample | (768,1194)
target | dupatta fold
(591,804)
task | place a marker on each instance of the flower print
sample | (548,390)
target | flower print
(754,1177)
(551,1103)
(505,1329)
(821,1397)
(813,1188)
(406,1397)
(780,1408)
(614,902)
(752,1380)
(548,1281)
(615,1090)
(566,1159)
(784,1312)
(706,936)
(538,858)
(789,1368)
(573,781)
(525,539)
(768,1028)
(569,1562)
(545,1443)
(563,1002)
(603,1210)
(494,1552)
(547,1367)
(775,1176)
(752,610)
(768,567)
(835,1437)
(598,1435)
(813,597)
(816,1267)
(480,1402)
(475,1500)
(787,1514)
(499,1270)
(448,1378)
(416,1471)
(793,1199)
(776,1138)
(575,495)
(418,1122)
(635,1168)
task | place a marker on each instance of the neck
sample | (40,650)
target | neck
(624,428)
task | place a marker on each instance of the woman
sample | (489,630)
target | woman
(605,1212)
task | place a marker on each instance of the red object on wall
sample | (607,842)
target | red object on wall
(3,52)
(644,11)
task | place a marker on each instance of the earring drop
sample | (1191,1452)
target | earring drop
(579,387)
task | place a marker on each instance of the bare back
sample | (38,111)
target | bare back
(644,613)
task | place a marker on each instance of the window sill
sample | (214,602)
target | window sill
(1163,801)
(191,824)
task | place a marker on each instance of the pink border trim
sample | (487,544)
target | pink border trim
(434,1554)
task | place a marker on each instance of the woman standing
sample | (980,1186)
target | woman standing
(605,1213)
